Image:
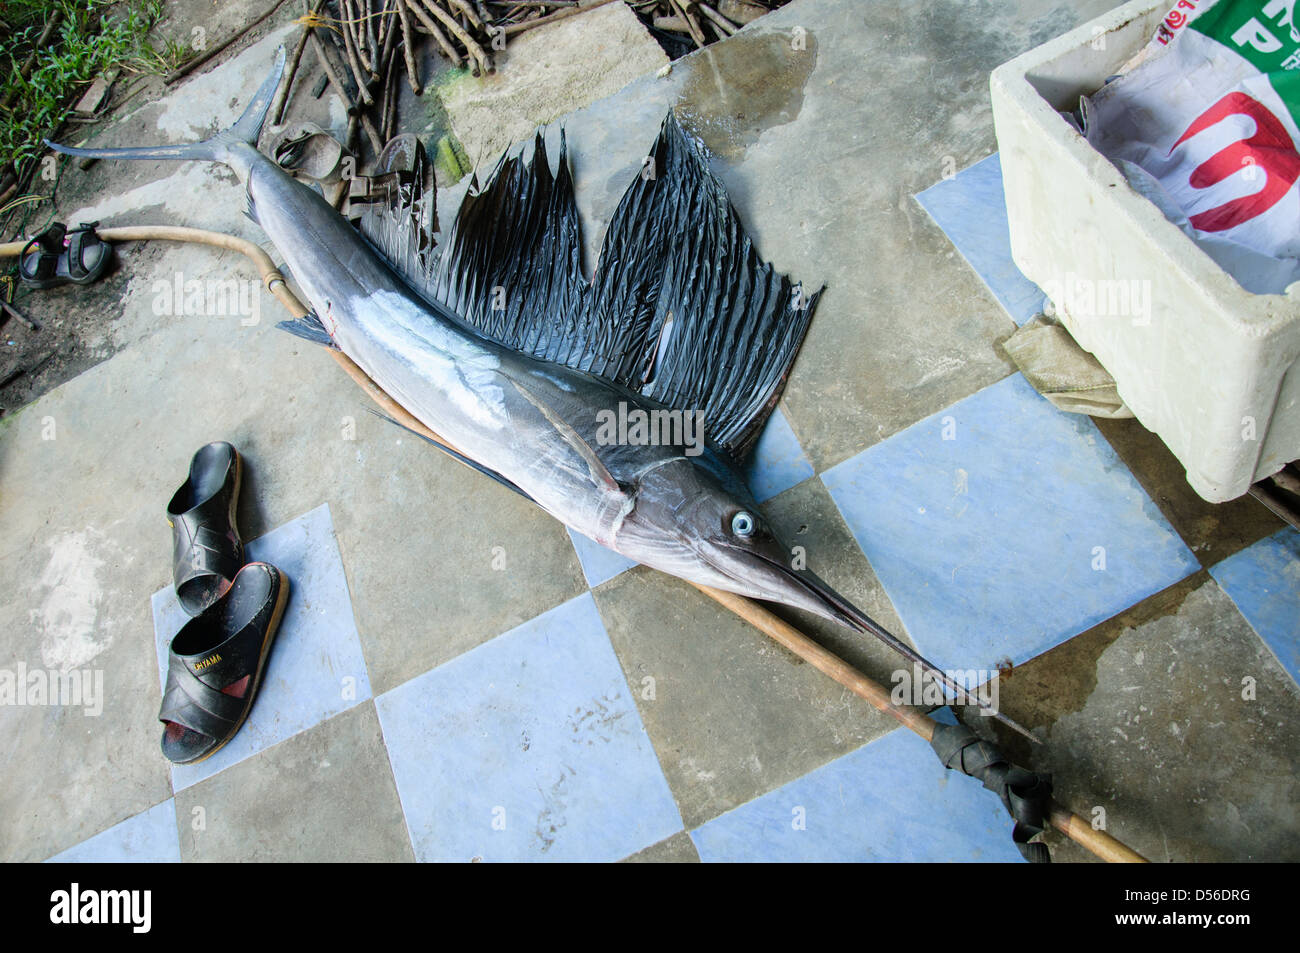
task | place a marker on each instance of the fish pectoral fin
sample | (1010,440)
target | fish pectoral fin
(309,328)
(599,473)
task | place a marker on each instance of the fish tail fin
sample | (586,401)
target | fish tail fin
(216,149)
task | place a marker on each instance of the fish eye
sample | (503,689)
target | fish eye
(742,524)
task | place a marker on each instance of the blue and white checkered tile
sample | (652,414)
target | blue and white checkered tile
(971,209)
(316,667)
(1264,582)
(777,464)
(890,800)
(1002,527)
(149,837)
(528,747)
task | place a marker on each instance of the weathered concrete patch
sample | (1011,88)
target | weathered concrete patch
(70,593)
(545,73)
(736,90)
(1183,740)
(678,849)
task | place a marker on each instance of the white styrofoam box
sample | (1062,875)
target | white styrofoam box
(1209,367)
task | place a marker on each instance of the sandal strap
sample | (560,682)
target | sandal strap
(51,240)
(76,263)
(192,703)
(80,240)
(205,545)
(46,263)
(48,245)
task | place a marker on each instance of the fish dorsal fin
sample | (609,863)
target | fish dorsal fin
(681,307)
(710,325)
(512,266)
(397,211)
(401,224)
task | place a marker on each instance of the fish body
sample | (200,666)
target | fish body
(725,338)
(517,415)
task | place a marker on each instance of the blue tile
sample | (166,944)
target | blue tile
(890,800)
(945,715)
(316,668)
(1001,527)
(972,210)
(150,837)
(778,462)
(528,747)
(599,563)
(1264,581)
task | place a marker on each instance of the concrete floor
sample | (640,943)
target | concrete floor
(824,149)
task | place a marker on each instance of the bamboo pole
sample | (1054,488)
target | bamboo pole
(1100,843)
(359,62)
(692,25)
(281,99)
(470,15)
(408,48)
(336,80)
(721,22)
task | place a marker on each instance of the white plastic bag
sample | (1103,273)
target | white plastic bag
(1211,112)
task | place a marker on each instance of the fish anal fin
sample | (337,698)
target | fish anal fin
(473,464)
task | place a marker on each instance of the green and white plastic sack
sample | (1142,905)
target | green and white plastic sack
(1206,123)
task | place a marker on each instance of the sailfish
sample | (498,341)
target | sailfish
(498,343)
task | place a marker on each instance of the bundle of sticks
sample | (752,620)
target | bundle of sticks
(365,46)
(703,22)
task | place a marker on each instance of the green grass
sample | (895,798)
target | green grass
(164,59)
(93,36)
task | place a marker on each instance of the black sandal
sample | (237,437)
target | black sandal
(215,665)
(58,256)
(206,549)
